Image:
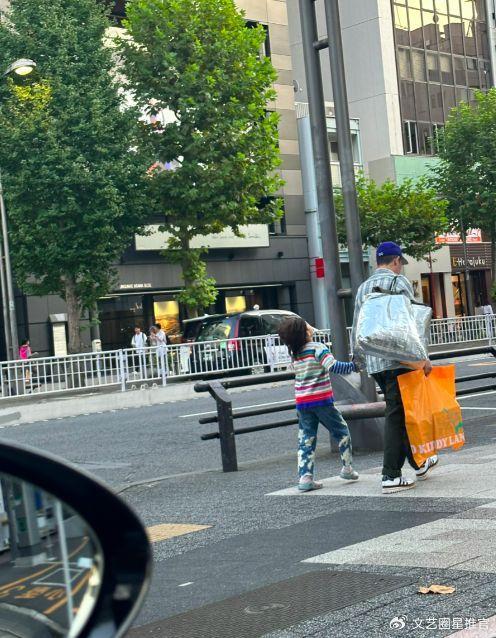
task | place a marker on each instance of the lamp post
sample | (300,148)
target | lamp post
(21,68)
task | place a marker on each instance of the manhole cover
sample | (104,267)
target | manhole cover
(275,606)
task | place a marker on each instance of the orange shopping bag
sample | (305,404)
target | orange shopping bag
(432,414)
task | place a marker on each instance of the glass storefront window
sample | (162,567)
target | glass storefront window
(481,36)
(235,304)
(422,102)
(418,64)
(467,9)
(449,100)
(407,100)
(404,64)
(425,133)
(436,101)
(461,95)
(442,6)
(472,73)
(446,69)
(167,315)
(459,294)
(456,35)
(460,71)
(416,33)
(430,30)
(480,10)
(444,34)
(469,35)
(401,25)
(433,67)
(454,7)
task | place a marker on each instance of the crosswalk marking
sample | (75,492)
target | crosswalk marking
(165,531)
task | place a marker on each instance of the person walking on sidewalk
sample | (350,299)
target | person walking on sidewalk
(312,363)
(138,342)
(390,261)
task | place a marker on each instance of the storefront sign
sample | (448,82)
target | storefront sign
(474,236)
(473,262)
(254,236)
(133,286)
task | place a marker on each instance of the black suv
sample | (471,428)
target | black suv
(225,329)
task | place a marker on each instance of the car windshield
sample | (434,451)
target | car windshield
(219,328)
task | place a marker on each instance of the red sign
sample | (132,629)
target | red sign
(474,236)
(319,268)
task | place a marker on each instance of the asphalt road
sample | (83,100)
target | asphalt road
(155,458)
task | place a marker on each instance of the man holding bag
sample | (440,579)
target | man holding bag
(390,261)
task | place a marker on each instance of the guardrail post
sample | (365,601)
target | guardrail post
(122,370)
(226,426)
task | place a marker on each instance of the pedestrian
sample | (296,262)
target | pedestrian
(312,363)
(152,336)
(26,353)
(138,342)
(390,262)
(160,335)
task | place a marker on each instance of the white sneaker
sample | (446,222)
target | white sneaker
(423,471)
(348,473)
(399,484)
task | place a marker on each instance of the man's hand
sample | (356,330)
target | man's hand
(427,368)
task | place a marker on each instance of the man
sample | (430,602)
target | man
(138,342)
(390,261)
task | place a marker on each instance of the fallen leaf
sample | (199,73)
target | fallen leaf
(437,589)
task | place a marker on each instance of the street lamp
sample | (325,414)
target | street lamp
(21,67)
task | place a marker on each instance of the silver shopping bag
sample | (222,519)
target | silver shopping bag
(387,328)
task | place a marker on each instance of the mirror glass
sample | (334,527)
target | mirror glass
(51,565)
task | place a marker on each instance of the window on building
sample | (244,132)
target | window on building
(436,102)
(428,5)
(442,6)
(461,95)
(444,34)
(422,102)
(449,100)
(416,31)
(469,36)
(405,64)
(401,25)
(424,134)
(418,64)
(437,131)
(265,48)
(472,73)
(460,70)
(433,74)
(446,68)
(408,99)
(411,137)
(430,30)
(454,7)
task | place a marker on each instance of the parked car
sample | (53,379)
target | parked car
(221,347)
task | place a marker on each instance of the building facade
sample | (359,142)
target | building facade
(269,267)
(408,63)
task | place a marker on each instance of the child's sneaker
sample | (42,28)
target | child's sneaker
(348,473)
(307,484)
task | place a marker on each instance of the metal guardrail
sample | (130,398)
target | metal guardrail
(129,368)
(226,415)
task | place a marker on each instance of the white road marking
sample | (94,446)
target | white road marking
(471,408)
(242,407)
(185,584)
(481,394)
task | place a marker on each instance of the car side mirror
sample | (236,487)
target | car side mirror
(75,560)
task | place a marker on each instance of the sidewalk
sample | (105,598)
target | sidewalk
(343,561)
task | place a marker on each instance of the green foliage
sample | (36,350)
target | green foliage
(466,173)
(409,213)
(198,60)
(73,186)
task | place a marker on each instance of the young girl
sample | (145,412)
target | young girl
(315,400)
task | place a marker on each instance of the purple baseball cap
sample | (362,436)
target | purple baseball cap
(390,248)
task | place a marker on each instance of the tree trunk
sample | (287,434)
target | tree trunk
(73,316)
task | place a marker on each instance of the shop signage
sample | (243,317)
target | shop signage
(473,262)
(133,286)
(254,236)
(474,236)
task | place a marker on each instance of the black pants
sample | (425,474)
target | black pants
(396,444)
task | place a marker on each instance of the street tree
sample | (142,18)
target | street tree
(410,213)
(466,173)
(74,181)
(197,70)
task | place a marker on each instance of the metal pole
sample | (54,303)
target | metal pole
(468,280)
(346,163)
(345,147)
(325,203)
(65,563)
(8,276)
(226,427)
(3,286)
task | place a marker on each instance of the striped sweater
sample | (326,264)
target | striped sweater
(312,383)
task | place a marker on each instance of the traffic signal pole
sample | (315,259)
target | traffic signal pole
(322,163)
(327,215)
